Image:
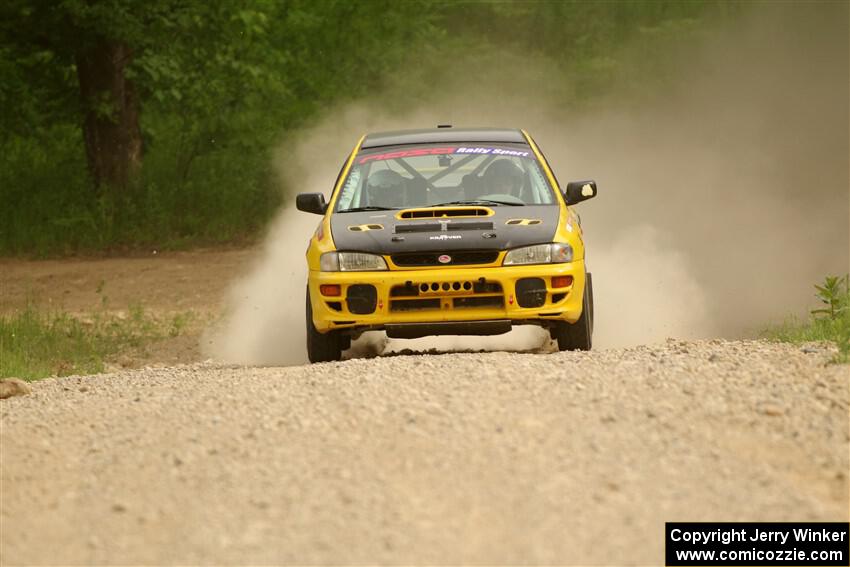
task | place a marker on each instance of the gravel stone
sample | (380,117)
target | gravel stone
(10,387)
(468,458)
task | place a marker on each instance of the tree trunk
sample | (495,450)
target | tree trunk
(111,130)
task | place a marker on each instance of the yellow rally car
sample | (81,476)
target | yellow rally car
(446,231)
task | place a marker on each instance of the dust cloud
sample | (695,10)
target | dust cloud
(722,199)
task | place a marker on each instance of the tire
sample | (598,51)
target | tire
(325,347)
(578,335)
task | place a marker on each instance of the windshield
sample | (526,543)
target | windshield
(431,175)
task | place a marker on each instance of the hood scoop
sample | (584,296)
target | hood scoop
(439,226)
(439,212)
(365,227)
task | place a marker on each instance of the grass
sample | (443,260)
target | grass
(831,322)
(36,344)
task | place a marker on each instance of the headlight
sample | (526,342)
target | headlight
(555,253)
(351,262)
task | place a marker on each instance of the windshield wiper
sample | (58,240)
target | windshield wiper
(368,208)
(479,202)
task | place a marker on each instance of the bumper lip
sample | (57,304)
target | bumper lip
(566,308)
(417,330)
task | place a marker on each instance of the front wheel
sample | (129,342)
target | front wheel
(578,335)
(325,347)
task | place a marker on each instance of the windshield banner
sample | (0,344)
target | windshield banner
(466,150)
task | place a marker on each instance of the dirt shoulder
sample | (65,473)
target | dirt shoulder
(163,284)
(167,281)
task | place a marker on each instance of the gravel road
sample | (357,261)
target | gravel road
(489,458)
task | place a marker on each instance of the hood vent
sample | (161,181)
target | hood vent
(442,213)
(365,227)
(480,225)
(419,227)
(438,227)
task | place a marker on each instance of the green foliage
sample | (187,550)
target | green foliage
(592,47)
(831,323)
(36,344)
(835,293)
(219,83)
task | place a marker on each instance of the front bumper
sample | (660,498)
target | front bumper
(447,294)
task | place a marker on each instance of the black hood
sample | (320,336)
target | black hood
(380,232)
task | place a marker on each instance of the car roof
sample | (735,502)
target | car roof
(442,135)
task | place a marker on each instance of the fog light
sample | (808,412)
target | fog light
(531,292)
(562,281)
(330,290)
(362,299)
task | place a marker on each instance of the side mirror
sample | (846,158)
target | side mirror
(311,203)
(578,191)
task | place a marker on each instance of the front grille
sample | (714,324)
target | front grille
(414,304)
(419,296)
(486,301)
(406,290)
(457,258)
(413,289)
